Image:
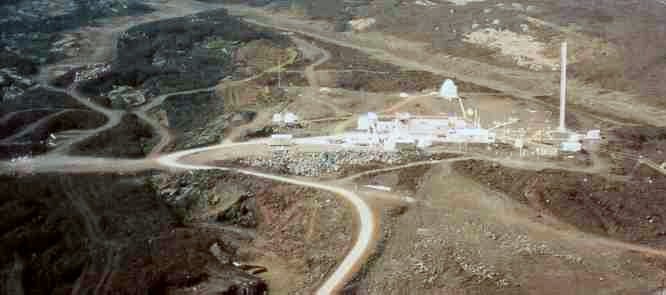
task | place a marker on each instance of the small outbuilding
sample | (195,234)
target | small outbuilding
(291,119)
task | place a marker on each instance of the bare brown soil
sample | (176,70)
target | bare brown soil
(298,234)
(631,211)
(463,238)
(626,144)
(382,77)
(404,180)
(638,29)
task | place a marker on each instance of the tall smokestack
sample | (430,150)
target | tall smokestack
(563,86)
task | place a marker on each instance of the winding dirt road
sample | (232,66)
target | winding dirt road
(105,40)
(58,161)
(364,241)
(113,116)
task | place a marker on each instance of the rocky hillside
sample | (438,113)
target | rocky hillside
(107,234)
(198,119)
(177,54)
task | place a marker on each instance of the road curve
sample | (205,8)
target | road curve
(364,240)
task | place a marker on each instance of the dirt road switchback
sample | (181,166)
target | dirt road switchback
(367,221)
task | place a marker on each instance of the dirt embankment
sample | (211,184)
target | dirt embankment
(298,234)
(196,119)
(106,234)
(632,211)
(402,180)
(625,144)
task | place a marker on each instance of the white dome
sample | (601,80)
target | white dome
(448,90)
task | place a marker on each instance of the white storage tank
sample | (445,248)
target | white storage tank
(570,146)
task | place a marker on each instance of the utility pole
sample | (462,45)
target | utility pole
(279,72)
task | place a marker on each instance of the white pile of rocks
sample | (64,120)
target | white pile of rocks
(316,164)
(10,75)
(91,72)
(361,24)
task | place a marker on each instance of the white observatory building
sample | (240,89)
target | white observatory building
(449,90)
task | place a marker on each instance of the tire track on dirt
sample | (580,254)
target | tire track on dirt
(367,231)
(578,236)
(75,194)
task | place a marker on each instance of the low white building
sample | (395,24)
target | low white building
(281,139)
(291,119)
(470,135)
(396,143)
(428,126)
(457,123)
(406,131)
(364,121)
(547,151)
